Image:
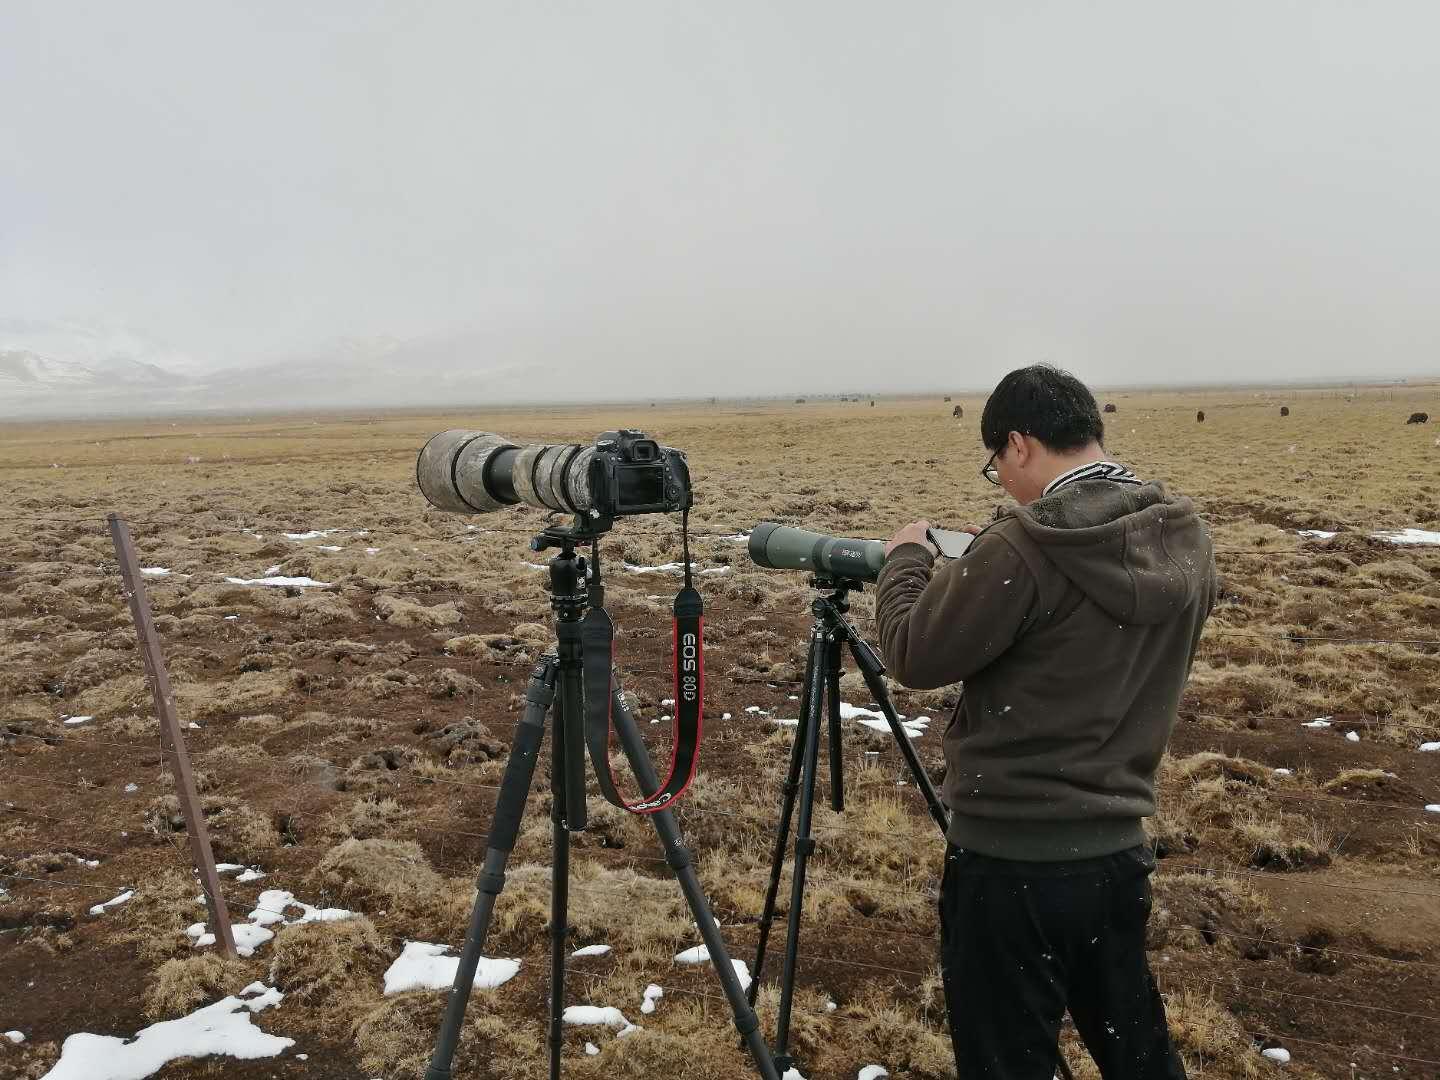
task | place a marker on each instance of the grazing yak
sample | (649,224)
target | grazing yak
(958,412)
(1284,410)
(1419,418)
(1200,416)
(1109,406)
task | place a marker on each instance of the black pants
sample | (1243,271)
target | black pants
(1020,942)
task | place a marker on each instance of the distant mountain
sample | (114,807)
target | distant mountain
(76,370)
(69,368)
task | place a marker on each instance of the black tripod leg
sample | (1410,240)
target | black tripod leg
(832,699)
(871,669)
(804,845)
(678,857)
(509,809)
(782,835)
(563,814)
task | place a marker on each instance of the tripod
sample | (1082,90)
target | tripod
(556,688)
(821,696)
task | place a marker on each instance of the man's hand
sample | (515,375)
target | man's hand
(914,533)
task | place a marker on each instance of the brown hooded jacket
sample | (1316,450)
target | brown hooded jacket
(1072,622)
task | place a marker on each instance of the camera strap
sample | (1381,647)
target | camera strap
(597,642)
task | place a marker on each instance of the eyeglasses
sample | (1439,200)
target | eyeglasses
(989,471)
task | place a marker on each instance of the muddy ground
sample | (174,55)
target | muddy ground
(348,738)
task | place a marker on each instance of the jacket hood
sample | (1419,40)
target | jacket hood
(1138,552)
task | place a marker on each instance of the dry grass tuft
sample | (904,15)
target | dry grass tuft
(1200,912)
(371,871)
(1283,841)
(395,1038)
(687,1042)
(398,611)
(155,919)
(183,984)
(336,967)
(1362,782)
(1209,764)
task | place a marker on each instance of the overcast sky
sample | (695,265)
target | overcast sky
(737,196)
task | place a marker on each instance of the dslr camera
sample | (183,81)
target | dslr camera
(622,473)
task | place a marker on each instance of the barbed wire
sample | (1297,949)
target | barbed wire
(628,857)
(165,754)
(872,928)
(1210,633)
(596,979)
(250,519)
(1349,1052)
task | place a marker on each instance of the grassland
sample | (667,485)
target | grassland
(349,737)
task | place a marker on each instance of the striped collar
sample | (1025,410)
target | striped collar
(1092,470)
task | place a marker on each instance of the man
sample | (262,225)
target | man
(1072,621)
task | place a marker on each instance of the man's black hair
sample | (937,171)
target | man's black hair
(1040,400)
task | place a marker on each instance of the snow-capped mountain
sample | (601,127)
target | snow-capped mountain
(74,367)
(51,369)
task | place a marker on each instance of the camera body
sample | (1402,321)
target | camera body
(631,473)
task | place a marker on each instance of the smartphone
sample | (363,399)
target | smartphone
(951,544)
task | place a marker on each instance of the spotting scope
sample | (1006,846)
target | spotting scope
(779,547)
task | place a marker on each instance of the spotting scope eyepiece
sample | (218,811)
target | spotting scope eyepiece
(779,547)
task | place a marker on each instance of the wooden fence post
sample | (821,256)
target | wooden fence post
(172,738)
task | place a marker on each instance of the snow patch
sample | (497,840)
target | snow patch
(597,1016)
(270,909)
(1429,747)
(594,1016)
(701,954)
(281,582)
(653,993)
(873,1072)
(223,1028)
(99,909)
(1407,536)
(79,719)
(423,966)
(591,950)
(1277,1054)
(273,903)
(248,936)
(876,720)
(154,571)
(16,1037)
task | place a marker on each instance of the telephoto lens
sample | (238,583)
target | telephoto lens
(475,472)
(779,547)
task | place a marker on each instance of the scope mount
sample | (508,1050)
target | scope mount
(582,530)
(836,583)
